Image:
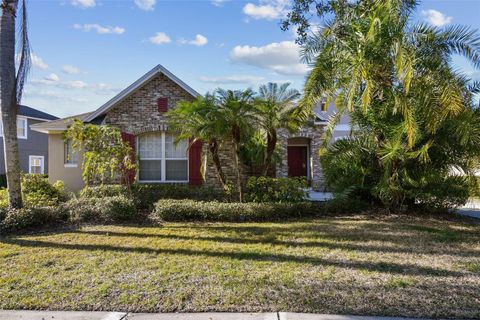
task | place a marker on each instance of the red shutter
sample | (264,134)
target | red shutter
(129,177)
(195,163)
(162,104)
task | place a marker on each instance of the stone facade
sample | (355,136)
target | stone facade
(138,113)
(311,135)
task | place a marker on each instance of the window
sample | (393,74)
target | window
(70,157)
(22,127)
(36,164)
(161,160)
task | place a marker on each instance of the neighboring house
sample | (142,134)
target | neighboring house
(32,145)
(138,112)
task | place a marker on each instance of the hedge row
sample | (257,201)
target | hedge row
(190,210)
(97,210)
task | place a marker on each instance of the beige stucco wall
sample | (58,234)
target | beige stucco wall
(71,176)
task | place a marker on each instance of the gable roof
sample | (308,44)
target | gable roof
(34,113)
(158,69)
(58,125)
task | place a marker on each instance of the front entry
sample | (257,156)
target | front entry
(297,161)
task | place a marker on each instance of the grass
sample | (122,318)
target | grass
(395,266)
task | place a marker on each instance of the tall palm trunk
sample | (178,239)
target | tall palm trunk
(271,144)
(8,101)
(236,135)
(214,150)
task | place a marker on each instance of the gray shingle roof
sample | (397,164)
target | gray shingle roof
(34,113)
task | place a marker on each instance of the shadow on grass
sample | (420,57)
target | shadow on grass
(388,267)
(270,240)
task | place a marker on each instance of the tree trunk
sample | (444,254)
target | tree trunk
(213,148)
(8,102)
(271,144)
(236,134)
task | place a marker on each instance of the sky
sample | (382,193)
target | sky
(86,51)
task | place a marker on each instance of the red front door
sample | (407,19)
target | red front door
(297,161)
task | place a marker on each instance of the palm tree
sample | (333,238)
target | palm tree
(199,120)
(11,87)
(274,105)
(237,118)
(396,80)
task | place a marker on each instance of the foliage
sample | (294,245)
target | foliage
(145,195)
(265,189)
(274,106)
(101,210)
(413,113)
(191,210)
(106,157)
(245,121)
(199,120)
(38,192)
(29,218)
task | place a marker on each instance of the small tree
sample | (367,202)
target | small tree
(273,107)
(237,119)
(199,120)
(106,157)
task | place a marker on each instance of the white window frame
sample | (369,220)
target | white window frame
(68,164)
(42,167)
(163,161)
(21,118)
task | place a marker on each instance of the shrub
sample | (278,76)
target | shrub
(265,189)
(190,210)
(37,191)
(102,210)
(26,218)
(105,190)
(145,195)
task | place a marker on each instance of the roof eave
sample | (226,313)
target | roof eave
(131,88)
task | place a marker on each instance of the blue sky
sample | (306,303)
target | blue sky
(86,51)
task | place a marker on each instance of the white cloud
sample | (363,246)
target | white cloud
(280,57)
(160,38)
(146,5)
(84,3)
(218,3)
(436,18)
(69,69)
(266,9)
(199,40)
(52,77)
(37,62)
(56,95)
(233,79)
(99,28)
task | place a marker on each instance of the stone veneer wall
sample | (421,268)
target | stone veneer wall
(314,134)
(138,113)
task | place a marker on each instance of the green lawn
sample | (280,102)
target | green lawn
(358,265)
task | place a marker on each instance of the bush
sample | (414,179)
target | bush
(3,180)
(102,210)
(105,190)
(145,195)
(27,218)
(265,189)
(190,210)
(38,192)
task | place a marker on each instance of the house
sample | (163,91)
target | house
(138,112)
(32,145)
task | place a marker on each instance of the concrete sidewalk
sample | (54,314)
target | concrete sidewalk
(94,315)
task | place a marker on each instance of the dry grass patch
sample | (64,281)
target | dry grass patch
(396,266)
